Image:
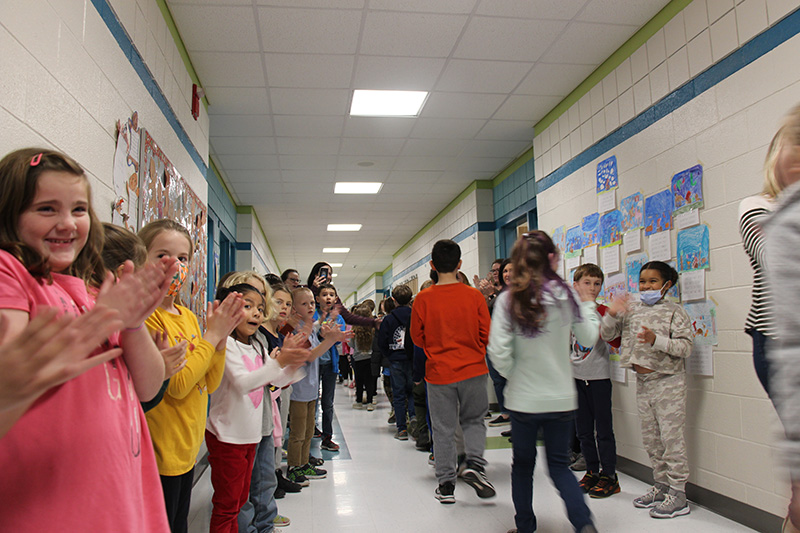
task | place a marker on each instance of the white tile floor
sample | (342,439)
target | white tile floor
(387,486)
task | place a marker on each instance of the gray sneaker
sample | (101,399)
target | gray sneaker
(579,464)
(674,504)
(652,498)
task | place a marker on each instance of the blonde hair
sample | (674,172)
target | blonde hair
(156,227)
(788,135)
(237,278)
(363,335)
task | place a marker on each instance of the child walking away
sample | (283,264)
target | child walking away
(656,340)
(362,360)
(450,322)
(531,326)
(72,432)
(391,339)
(178,422)
(233,429)
(593,421)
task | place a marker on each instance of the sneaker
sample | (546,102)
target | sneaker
(312,472)
(401,435)
(370,407)
(431,460)
(279,493)
(475,476)
(392,418)
(579,465)
(605,487)
(287,485)
(315,461)
(674,504)
(445,493)
(652,498)
(423,445)
(461,465)
(295,475)
(500,421)
(506,433)
(281,521)
(358,405)
(588,481)
(352,385)
(328,444)
(487,416)
(317,433)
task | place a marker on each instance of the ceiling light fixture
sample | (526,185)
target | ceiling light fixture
(344,227)
(335,265)
(387,103)
(357,187)
(335,250)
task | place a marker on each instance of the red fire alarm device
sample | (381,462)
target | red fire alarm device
(195,101)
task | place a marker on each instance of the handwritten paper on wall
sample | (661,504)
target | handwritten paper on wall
(590,255)
(701,362)
(632,241)
(660,249)
(693,285)
(611,259)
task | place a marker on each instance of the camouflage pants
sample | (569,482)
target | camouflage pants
(661,399)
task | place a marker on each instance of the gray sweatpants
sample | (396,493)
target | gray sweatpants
(464,402)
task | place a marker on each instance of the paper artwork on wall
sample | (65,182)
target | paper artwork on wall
(703,316)
(632,209)
(614,287)
(687,189)
(611,228)
(693,248)
(658,212)
(559,237)
(574,242)
(590,226)
(633,265)
(673,294)
(607,175)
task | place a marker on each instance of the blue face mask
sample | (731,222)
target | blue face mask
(651,297)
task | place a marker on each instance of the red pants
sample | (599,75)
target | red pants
(231,468)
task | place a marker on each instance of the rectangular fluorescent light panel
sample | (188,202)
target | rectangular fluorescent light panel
(344,227)
(387,103)
(335,250)
(335,265)
(357,187)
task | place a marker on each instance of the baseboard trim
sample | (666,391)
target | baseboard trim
(744,514)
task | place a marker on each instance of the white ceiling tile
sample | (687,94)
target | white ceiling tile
(553,79)
(431,6)
(446,128)
(349,166)
(323,31)
(397,73)
(308,145)
(507,130)
(524,107)
(308,175)
(306,126)
(310,71)
(487,164)
(461,105)
(371,146)
(253,176)
(241,125)
(237,100)
(507,39)
(309,101)
(249,162)
(234,28)
(330,4)
(588,43)
(621,11)
(226,69)
(433,147)
(484,148)
(413,177)
(541,9)
(423,163)
(378,126)
(411,34)
(307,162)
(482,76)
(242,145)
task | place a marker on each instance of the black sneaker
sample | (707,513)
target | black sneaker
(475,476)
(506,433)
(328,444)
(605,487)
(317,433)
(500,421)
(315,461)
(286,485)
(588,481)
(445,493)
(279,493)
(295,475)
(392,419)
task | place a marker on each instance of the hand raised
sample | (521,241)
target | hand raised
(223,317)
(137,294)
(174,356)
(619,305)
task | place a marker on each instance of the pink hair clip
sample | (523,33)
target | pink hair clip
(36,159)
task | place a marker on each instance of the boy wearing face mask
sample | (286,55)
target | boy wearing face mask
(656,339)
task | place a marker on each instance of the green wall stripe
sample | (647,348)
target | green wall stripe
(176,36)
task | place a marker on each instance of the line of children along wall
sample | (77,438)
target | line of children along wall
(110,385)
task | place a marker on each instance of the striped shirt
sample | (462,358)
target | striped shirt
(752,213)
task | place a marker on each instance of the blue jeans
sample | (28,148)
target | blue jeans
(760,361)
(258,513)
(556,428)
(402,387)
(499,383)
(328,379)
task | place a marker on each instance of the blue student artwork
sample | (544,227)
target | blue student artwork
(673,293)
(560,239)
(611,228)
(687,189)
(633,266)
(607,174)
(658,212)
(693,248)
(703,316)
(590,226)
(632,209)
(574,241)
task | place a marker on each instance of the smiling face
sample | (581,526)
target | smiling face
(253,313)
(507,272)
(283,301)
(304,305)
(57,222)
(173,244)
(651,280)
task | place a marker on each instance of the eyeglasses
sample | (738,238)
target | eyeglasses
(494,270)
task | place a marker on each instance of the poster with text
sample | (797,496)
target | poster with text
(687,189)
(590,227)
(632,209)
(658,212)
(611,229)
(703,316)
(574,241)
(693,248)
(607,175)
(633,265)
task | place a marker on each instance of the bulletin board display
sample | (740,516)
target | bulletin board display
(164,193)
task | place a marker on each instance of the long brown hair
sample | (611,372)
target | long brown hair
(362,334)
(19,176)
(532,275)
